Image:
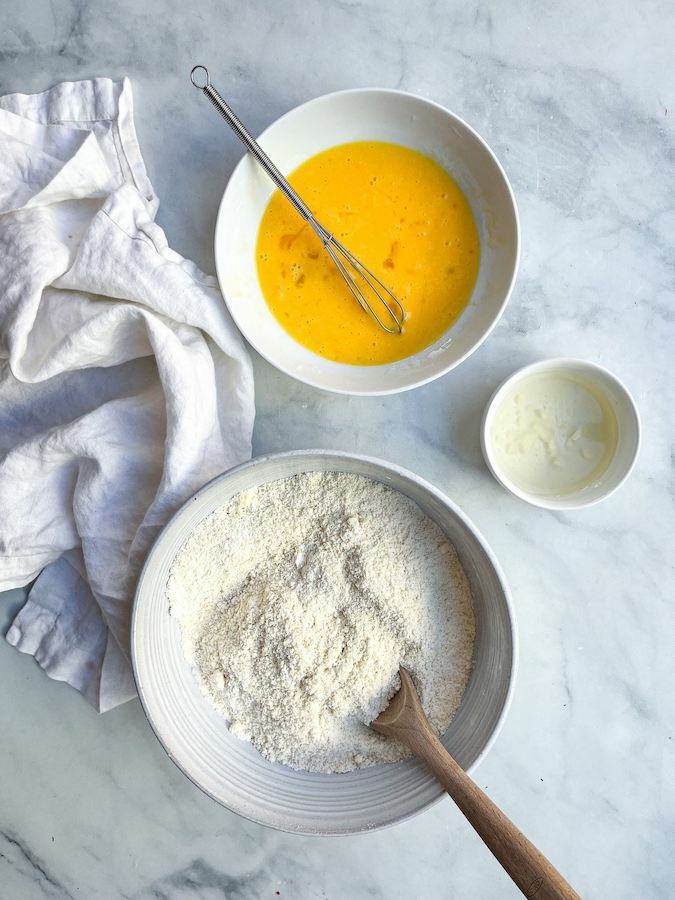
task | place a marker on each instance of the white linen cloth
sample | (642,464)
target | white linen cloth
(124,384)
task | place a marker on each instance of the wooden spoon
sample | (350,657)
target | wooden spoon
(405,720)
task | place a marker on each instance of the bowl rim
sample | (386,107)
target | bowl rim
(442,498)
(308,379)
(556,504)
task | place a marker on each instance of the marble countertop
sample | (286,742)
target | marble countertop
(579,103)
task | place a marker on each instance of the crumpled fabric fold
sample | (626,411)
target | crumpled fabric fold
(124,384)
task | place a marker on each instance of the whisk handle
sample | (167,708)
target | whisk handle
(248,141)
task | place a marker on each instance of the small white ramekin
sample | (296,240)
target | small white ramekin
(628,441)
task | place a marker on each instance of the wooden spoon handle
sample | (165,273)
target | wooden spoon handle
(531,871)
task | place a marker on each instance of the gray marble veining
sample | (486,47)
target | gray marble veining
(578,101)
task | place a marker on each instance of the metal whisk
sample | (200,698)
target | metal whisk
(372,295)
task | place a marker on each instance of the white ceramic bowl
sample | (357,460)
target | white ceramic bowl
(232,771)
(628,442)
(369,114)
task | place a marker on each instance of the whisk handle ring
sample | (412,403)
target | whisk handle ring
(250,143)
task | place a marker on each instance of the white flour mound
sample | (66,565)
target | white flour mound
(298,600)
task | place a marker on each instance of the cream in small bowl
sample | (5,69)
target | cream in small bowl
(561,434)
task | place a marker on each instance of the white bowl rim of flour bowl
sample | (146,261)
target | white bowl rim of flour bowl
(230,770)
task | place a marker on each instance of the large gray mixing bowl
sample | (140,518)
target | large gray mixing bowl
(232,771)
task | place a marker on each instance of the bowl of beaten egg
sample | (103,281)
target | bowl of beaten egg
(413,192)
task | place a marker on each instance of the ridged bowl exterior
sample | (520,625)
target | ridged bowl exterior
(231,771)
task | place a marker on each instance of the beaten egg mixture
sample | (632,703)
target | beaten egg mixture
(403,216)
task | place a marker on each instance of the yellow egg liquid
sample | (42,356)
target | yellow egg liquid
(403,216)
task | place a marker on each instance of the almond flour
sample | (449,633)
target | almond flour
(297,601)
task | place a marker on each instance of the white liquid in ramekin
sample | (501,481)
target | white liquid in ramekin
(553,433)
